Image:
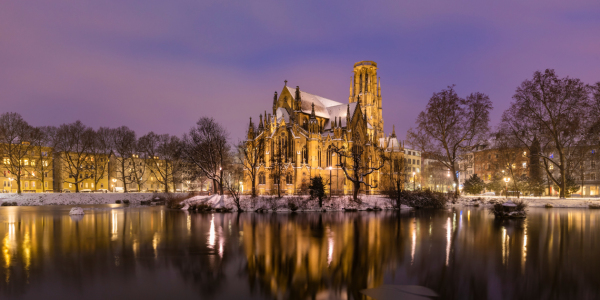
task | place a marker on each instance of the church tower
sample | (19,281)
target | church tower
(366,85)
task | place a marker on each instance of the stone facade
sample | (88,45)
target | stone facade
(297,135)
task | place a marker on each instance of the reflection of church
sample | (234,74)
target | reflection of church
(297,137)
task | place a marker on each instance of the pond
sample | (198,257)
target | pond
(114,252)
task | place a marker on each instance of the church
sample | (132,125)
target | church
(295,139)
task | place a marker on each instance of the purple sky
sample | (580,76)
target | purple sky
(160,65)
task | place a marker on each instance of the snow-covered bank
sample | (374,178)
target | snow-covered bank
(32,199)
(532,201)
(290,203)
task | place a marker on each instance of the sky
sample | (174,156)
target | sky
(161,65)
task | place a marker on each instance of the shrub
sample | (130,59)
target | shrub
(423,199)
(174,200)
(118,202)
(9,204)
(125,201)
(519,212)
(295,203)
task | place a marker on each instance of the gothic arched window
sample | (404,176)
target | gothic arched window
(261,178)
(289,179)
(319,156)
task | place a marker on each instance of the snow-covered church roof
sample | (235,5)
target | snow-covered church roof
(321,104)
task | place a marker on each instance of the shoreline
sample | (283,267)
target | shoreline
(272,203)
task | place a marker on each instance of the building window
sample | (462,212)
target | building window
(524,165)
(593,164)
(26,162)
(70,185)
(261,178)
(551,167)
(92,185)
(102,185)
(26,184)
(593,176)
(289,178)
(33,184)
(524,153)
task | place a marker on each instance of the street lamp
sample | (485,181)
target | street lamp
(506,180)
(330,181)
(414,180)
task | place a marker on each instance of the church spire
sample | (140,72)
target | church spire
(393,131)
(275,102)
(312,112)
(260,124)
(348,116)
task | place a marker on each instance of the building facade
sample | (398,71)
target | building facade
(298,135)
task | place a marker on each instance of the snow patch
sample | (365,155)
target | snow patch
(76,211)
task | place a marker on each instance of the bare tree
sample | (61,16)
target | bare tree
(42,153)
(15,145)
(73,143)
(100,153)
(556,111)
(250,152)
(163,156)
(395,182)
(206,148)
(359,168)
(453,125)
(123,142)
(232,182)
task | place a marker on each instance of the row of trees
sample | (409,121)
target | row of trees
(84,153)
(555,120)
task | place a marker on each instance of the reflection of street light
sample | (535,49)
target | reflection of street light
(414,180)
(506,180)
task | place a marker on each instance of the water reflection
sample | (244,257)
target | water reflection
(130,253)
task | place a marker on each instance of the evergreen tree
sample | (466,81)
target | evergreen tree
(317,189)
(474,185)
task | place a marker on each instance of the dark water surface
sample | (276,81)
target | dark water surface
(152,253)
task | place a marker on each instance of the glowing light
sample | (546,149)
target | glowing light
(448,240)
(414,245)
(212,233)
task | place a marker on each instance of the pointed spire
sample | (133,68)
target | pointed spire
(275,98)
(312,112)
(285,82)
(260,124)
(348,116)
(393,131)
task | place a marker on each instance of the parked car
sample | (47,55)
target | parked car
(488,194)
(85,191)
(101,191)
(66,191)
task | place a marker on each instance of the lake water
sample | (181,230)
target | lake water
(154,253)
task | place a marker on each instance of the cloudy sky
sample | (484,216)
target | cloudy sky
(160,65)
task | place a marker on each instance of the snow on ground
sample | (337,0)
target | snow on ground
(34,199)
(534,201)
(303,203)
(269,202)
